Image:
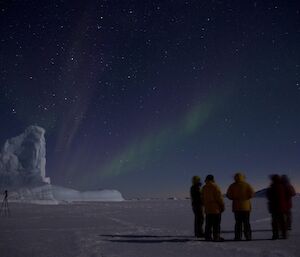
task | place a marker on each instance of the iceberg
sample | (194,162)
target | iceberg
(71,195)
(51,194)
(23,159)
(23,172)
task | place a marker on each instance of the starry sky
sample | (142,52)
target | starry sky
(142,95)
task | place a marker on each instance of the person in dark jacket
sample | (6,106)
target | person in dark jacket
(240,192)
(277,206)
(197,206)
(289,193)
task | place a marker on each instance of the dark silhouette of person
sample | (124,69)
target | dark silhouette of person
(240,192)
(277,206)
(5,195)
(213,206)
(289,194)
(197,206)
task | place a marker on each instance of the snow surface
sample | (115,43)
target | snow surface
(160,228)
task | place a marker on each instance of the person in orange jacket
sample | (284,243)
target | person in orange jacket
(213,206)
(240,192)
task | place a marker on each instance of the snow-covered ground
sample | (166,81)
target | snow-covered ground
(160,228)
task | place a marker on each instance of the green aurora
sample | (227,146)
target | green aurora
(139,153)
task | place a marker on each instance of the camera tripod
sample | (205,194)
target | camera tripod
(4,210)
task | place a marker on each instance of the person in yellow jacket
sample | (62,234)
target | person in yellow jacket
(214,206)
(240,192)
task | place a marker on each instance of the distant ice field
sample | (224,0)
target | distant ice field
(159,228)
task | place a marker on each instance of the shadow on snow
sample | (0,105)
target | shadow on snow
(115,238)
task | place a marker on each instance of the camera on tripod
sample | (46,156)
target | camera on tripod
(4,210)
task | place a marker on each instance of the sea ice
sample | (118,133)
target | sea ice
(160,228)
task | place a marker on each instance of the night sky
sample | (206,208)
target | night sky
(140,96)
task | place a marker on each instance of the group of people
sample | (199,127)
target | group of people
(209,200)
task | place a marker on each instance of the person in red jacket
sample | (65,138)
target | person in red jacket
(289,193)
(277,206)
